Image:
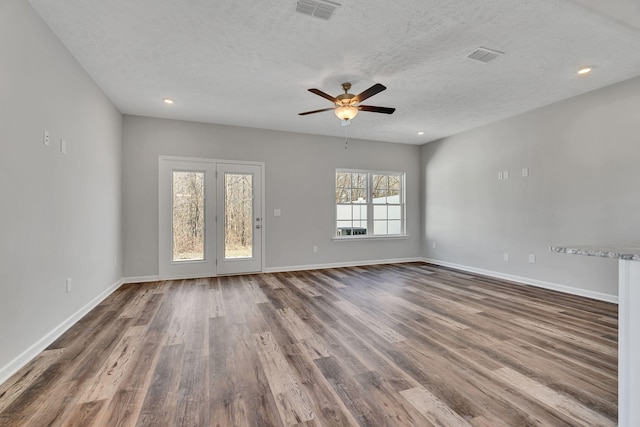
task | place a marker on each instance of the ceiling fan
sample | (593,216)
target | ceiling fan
(348,105)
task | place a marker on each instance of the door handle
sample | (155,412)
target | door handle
(258,226)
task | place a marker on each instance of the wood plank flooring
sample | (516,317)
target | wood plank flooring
(388,345)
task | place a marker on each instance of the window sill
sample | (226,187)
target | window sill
(357,238)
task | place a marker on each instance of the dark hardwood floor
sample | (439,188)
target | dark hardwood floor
(398,345)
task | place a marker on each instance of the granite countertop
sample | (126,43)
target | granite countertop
(624,251)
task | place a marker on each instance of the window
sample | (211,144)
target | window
(369,203)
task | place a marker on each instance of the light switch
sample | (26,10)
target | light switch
(525,172)
(63,146)
(276,212)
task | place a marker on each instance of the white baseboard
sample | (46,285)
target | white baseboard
(527,281)
(140,279)
(339,264)
(146,279)
(26,356)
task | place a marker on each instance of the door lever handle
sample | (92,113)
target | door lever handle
(258,226)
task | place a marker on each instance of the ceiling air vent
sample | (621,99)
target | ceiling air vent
(319,9)
(485,55)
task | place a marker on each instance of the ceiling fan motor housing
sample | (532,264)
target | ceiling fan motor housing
(345,99)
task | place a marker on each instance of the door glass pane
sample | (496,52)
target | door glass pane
(238,215)
(188,216)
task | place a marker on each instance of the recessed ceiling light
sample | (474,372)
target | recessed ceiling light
(421,133)
(167,100)
(584,70)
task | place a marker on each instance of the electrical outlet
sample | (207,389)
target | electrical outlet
(69,285)
(532,258)
(315,249)
(500,175)
(434,245)
(505,174)
(45,138)
(525,172)
(505,257)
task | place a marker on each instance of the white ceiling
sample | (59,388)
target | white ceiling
(249,62)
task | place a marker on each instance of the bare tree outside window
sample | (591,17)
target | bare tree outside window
(188,216)
(238,218)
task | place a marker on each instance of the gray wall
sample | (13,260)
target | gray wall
(60,214)
(300,180)
(584,187)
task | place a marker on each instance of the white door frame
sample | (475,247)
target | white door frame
(163,221)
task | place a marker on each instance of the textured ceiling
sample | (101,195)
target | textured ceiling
(249,62)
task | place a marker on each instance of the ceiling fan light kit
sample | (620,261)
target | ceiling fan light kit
(348,105)
(346,112)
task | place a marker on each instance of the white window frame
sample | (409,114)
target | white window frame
(370,206)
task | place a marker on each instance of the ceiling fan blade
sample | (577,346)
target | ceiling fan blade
(315,111)
(371,108)
(376,88)
(324,95)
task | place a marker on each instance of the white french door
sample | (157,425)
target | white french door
(186,235)
(239,207)
(210,218)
